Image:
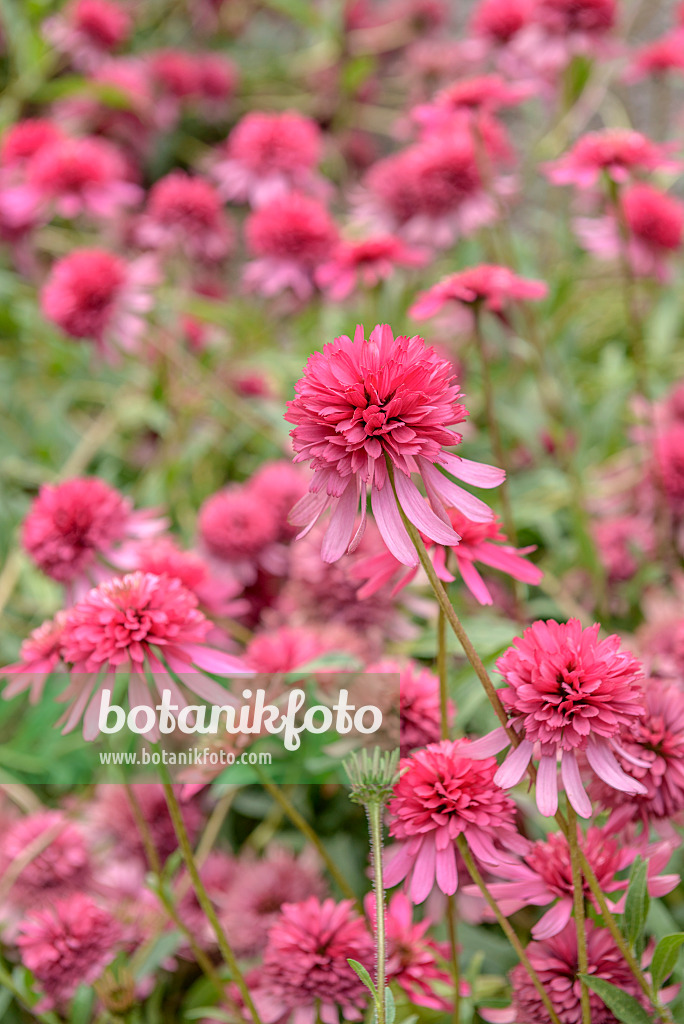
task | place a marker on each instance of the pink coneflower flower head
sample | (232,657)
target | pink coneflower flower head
(622,543)
(218,593)
(430,193)
(556,963)
(174,73)
(67,945)
(487,286)
(568,692)
(412,957)
(569,17)
(88,30)
(654,755)
(499,21)
(59,868)
(24,139)
(268,155)
(658,57)
(217,80)
(290,236)
(442,793)
(130,623)
(284,649)
(544,876)
(419,705)
(73,523)
(238,529)
(93,294)
(470,104)
(366,263)
(305,967)
(39,655)
(363,403)
(280,484)
(617,152)
(669,456)
(254,904)
(81,176)
(184,215)
(654,222)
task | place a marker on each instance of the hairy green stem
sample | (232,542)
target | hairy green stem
(452,928)
(442,673)
(506,926)
(374,811)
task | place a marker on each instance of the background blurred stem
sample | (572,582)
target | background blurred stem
(506,927)
(442,673)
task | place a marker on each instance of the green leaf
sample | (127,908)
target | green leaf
(390,1008)
(624,1006)
(665,958)
(637,902)
(363,974)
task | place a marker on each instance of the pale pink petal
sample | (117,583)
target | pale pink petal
(420,514)
(455,496)
(495,741)
(391,526)
(554,920)
(446,870)
(514,767)
(398,863)
(479,474)
(572,784)
(341,525)
(423,877)
(473,581)
(603,761)
(547,786)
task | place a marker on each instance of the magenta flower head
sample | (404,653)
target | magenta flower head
(364,404)
(568,693)
(305,967)
(129,624)
(68,945)
(443,792)
(488,285)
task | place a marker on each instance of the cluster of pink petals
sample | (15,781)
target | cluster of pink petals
(305,968)
(40,655)
(88,30)
(239,530)
(476,544)
(130,623)
(658,57)
(654,222)
(365,263)
(443,792)
(91,293)
(669,457)
(419,703)
(70,526)
(67,945)
(499,21)
(556,963)
(544,876)
(430,193)
(488,285)
(60,868)
(269,155)
(654,748)
(567,693)
(617,152)
(184,214)
(362,404)
(289,236)
(179,78)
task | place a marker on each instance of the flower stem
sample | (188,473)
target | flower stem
(305,828)
(506,927)
(452,927)
(203,897)
(578,900)
(452,618)
(7,982)
(374,812)
(442,673)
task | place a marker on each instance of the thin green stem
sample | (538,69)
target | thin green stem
(442,673)
(374,811)
(452,928)
(451,616)
(506,927)
(203,897)
(305,828)
(578,901)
